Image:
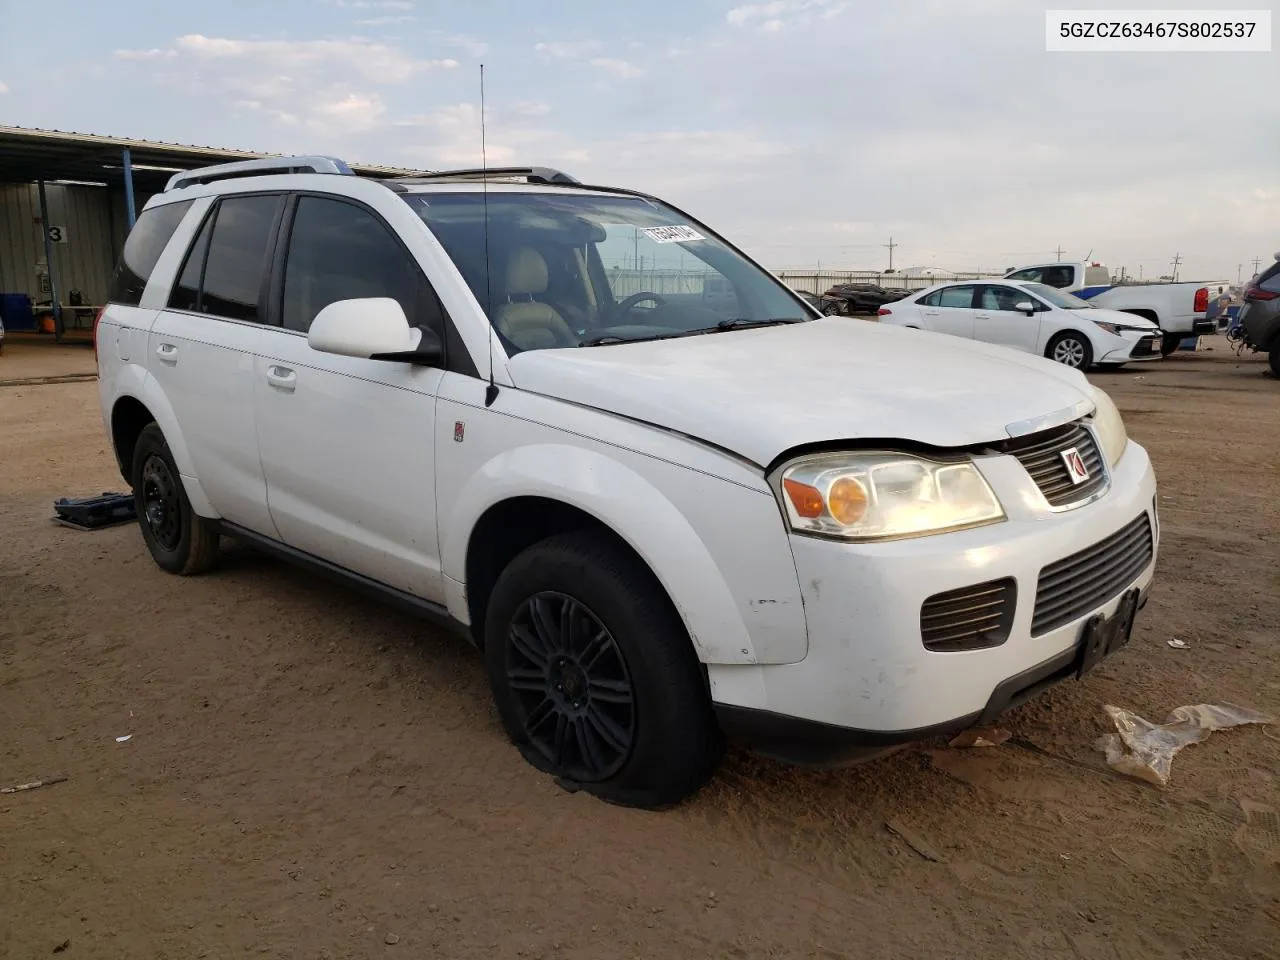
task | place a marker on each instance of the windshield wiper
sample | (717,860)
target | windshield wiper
(734,323)
(741,323)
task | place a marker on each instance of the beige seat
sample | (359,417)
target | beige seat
(528,324)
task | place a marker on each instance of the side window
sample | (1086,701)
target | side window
(186,292)
(237,259)
(932,300)
(147,240)
(1031,273)
(1058,276)
(1003,298)
(339,251)
(1270,280)
(961,296)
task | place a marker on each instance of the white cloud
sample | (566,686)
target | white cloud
(568,49)
(470,45)
(386,21)
(4,88)
(372,4)
(376,62)
(622,69)
(776,15)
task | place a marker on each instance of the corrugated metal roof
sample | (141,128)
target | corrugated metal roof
(28,154)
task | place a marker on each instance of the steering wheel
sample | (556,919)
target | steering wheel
(626,305)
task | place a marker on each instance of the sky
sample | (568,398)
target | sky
(807,131)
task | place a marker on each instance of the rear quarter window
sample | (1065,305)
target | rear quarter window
(146,242)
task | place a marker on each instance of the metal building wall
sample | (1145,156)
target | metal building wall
(94,224)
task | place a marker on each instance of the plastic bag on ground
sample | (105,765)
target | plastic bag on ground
(1145,750)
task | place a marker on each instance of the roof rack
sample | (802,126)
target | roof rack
(529,174)
(257,168)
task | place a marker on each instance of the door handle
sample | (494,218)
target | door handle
(167,352)
(282,378)
(982,316)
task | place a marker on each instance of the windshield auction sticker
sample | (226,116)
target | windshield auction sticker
(673,234)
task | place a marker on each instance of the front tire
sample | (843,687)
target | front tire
(1274,359)
(594,675)
(1071,349)
(180,541)
(1170,343)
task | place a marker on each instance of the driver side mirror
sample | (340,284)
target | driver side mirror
(1026,306)
(374,328)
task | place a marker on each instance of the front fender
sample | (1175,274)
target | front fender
(744,607)
(134,381)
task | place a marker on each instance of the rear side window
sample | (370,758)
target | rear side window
(147,240)
(236,263)
(186,292)
(340,251)
(1270,279)
(1057,276)
(956,297)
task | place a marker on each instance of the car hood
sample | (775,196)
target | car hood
(762,392)
(1103,315)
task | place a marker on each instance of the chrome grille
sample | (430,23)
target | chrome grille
(1041,455)
(1088,579)
(971,618)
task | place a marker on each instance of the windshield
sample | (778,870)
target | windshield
(1063,301)
(581,270)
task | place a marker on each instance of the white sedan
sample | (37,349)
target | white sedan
(1032,317)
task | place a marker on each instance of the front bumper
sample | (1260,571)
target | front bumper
(868,681)
(1126,350)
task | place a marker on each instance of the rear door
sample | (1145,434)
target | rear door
(997,319)
(348,444)
(202,352)
(950,310)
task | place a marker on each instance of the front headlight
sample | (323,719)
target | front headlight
(1109,426)
(876,496)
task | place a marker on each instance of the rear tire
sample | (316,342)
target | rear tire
(180,541)
(1274,358)
(1071,349)
(1170,343)
(594,674)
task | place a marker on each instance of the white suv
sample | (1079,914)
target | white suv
(504,400)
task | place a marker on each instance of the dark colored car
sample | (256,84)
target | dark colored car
(1260,315)
(862,297)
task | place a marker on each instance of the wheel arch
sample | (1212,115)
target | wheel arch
(139,395)
(552,488)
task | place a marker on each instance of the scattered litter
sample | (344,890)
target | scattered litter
(914,841)
(46,782)
(1145,750)
(981,737)
(1178,644)
(62,947)
(391,939)
(127,736)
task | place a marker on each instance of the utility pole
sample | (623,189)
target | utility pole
(1177,259)
(1257,261)
(891,245)
(1060,252)
(1239,267)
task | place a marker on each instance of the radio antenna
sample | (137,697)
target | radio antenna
(491,392)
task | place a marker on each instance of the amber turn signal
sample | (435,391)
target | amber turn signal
(806,499)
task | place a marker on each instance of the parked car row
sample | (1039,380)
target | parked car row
(1259,318)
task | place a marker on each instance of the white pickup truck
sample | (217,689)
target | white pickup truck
(1181,310)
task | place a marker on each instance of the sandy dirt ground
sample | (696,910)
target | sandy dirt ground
(309,775)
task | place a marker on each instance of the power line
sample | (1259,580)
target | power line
(1177,259)
(1257,262)
(1059,252)
(891,245)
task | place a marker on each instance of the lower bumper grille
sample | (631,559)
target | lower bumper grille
(1086,580)
(1146,347)
(971,618)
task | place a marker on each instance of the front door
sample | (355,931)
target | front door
(997,319)
(348,444)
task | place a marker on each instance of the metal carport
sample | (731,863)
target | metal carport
(126,171)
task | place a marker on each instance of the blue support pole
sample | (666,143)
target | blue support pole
(48,259)
(130,212)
